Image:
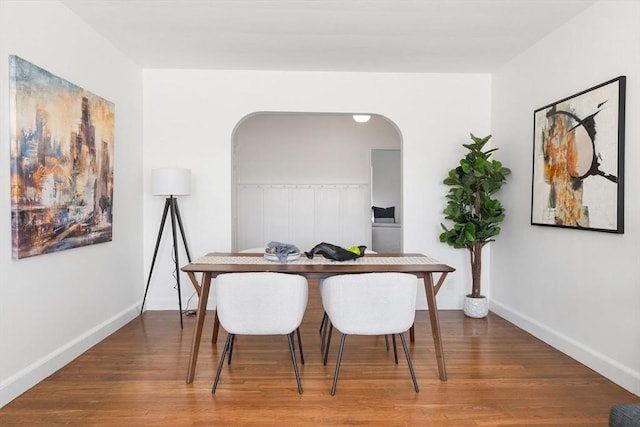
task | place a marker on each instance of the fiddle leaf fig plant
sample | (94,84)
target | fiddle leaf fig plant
(471,205)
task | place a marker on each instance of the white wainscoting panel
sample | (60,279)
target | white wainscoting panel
(303,214)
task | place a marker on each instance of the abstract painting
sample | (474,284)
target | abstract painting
(62,140)
(578,160)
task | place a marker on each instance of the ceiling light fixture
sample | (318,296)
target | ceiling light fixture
(361,118)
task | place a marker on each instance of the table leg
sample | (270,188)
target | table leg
(435,324)
(197,333)
(194,281)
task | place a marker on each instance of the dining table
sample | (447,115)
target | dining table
(317,267)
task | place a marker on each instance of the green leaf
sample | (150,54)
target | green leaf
(470,232)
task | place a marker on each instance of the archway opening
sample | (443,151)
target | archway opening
(304,178)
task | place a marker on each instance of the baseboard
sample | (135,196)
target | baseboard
(622,375)
(23,380)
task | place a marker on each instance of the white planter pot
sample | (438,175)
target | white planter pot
(476,307)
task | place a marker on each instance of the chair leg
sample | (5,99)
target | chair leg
(395,349)
(216,328)
(412,333)
(335,375)
(323,331)
(386,342)
(227,344)
(326,349)
(293,359)
(300,346)
(406,353)
(324,320)
(233,340)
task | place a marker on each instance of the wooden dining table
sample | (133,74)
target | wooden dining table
(318,267)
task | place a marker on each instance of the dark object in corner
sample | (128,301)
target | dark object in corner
(625,415)
(335,252)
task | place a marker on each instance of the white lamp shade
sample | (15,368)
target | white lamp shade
(170,182)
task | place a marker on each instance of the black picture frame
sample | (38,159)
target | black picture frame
(578,160)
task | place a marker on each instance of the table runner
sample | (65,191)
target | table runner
(381,260)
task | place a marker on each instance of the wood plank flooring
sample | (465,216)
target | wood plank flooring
(498,375)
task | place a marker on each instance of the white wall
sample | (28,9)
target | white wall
(190,116)
(309,148)
(577,290)
(303,215)
(54,307)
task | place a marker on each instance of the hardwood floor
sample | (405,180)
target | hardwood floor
(498,375)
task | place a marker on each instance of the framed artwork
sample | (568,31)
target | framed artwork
(578,160)
(61,157)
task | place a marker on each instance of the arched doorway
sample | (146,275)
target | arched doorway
(303,178)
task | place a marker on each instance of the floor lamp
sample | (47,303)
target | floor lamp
(170,182)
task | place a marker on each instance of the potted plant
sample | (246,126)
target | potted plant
(475,213)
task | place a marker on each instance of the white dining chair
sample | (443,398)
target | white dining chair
(370,304)
(324,324)
(263,303)
(261,252)
(325,328)
(216,322)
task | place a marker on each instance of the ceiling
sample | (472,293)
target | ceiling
(468,36)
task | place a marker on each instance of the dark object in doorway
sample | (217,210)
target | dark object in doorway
(336,253)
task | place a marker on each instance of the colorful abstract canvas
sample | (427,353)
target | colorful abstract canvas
(578,160)
(62,140)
